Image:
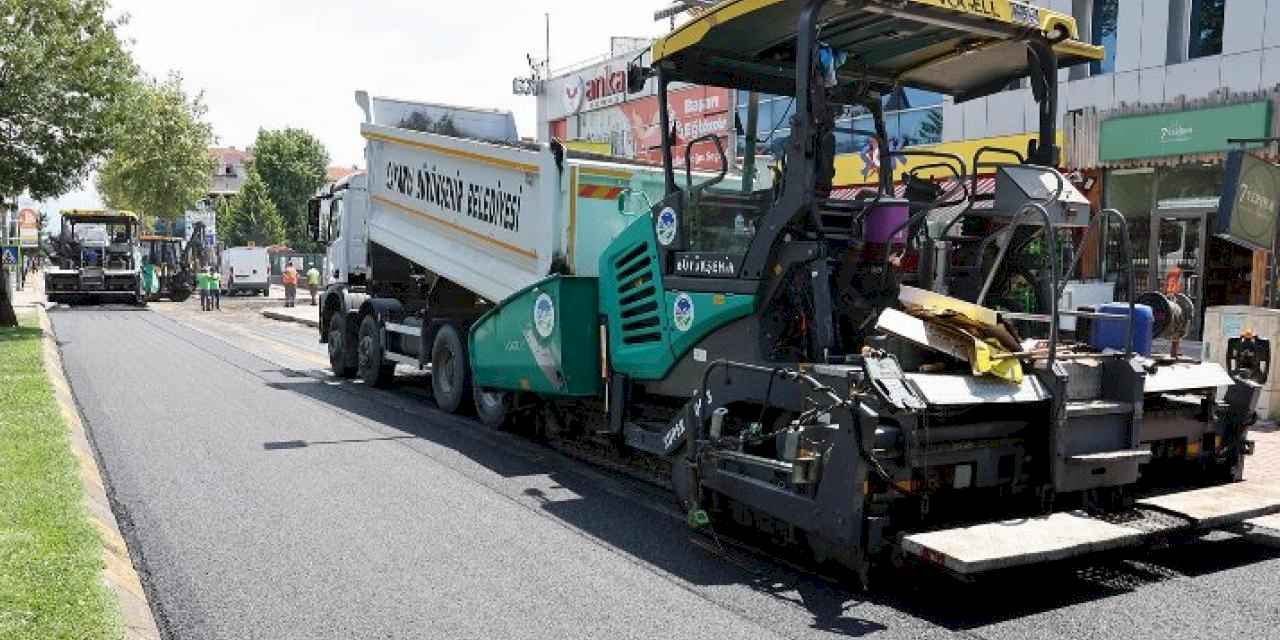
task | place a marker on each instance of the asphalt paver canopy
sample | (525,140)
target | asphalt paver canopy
(965,49)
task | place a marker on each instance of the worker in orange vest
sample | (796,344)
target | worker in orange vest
(290,281)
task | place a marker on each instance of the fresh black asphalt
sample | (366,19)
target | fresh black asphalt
(262,499)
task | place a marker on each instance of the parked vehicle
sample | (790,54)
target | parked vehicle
(246,269)
(820,370)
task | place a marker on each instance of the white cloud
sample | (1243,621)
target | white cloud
(278,63)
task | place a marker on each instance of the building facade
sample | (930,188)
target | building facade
(588,107)
(1147,131)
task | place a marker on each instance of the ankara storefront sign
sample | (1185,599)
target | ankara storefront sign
(695,112)
(1250,201)
(1182,132)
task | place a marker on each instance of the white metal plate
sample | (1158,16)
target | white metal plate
(1224,504)
(942,389)
(1184,376)
(1012,543)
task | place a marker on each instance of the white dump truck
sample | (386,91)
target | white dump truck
(444,226)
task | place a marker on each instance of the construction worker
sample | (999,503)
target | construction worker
(215,289)
(290,281)
(202,284)
(313,283)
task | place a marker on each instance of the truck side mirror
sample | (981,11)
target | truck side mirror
(313,219)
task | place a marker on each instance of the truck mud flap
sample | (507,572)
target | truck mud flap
(1013,543)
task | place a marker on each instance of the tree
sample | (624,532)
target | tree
(63,70)
(160,162)
(418,121)
(292,164)
(252,216)
(63,73)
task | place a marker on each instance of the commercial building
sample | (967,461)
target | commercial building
(1147,132)
(588,107)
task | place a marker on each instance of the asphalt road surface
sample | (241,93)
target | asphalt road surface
(263,499)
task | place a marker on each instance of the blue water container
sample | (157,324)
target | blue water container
(1109,333)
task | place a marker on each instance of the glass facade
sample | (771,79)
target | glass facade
(1103,20)
(1130,192)
(912,117)
(1205,28)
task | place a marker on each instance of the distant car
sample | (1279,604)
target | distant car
(246,269)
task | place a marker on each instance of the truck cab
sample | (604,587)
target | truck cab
(338,217)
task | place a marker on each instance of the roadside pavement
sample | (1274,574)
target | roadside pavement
(304,313)
(32,294)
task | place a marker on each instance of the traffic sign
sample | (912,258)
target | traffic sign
(10,255)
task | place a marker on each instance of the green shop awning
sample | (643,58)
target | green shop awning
(1180,133)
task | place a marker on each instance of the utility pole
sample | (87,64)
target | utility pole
(546,58)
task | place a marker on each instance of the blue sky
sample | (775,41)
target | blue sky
(277,63)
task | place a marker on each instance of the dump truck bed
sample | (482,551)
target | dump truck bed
(497,217)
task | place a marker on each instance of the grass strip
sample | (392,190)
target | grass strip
(50,553)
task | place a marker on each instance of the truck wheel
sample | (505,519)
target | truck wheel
(493,406)
(372,366)
(340,349)
(450,370)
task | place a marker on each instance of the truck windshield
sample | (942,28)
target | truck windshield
(90,233)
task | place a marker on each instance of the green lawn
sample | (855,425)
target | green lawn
(50,554)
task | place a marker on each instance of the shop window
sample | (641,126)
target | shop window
(1205,26)
(1103,19)
(1130,192)
(920,126)
(1189,186)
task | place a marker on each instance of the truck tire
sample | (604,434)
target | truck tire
(373,368)
(341,350)
(450,370)
(493,406)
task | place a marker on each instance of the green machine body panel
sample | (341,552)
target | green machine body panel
(651,328)
(694,315)
(544,338)
(633,302)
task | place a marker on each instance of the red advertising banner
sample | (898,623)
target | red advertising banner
(695,112)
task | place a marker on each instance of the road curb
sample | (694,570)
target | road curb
(117,571)
(285,317)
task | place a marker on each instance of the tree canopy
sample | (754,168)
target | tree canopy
(251,216)
(160,162)
(292,164)
(63,71)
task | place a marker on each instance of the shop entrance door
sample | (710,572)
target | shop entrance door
(1178,249)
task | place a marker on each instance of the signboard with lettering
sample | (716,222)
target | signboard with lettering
(1002,10)
(28,225)
(695,112)
(1182,132)
(594,87)
(1250,201)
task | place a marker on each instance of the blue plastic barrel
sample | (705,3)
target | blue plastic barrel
(1110,333)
